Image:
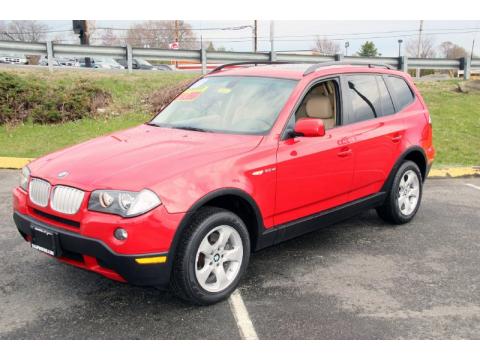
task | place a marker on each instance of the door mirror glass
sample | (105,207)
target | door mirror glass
(309,127)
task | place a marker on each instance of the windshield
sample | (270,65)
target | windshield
(229,104)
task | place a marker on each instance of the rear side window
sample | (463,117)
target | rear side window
(401,92)
(387,104)
(364,98)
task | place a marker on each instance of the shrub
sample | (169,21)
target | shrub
(161,98)
(40,101)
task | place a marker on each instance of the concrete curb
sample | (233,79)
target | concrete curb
(451,172)
(454,172)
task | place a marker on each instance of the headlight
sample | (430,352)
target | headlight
(24,176)
(123,203)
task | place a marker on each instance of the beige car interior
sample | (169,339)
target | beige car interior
(320,103)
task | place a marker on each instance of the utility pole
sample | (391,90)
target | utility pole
(255,36)
(473,44)
(473,48)
(176,31)
(347,44)
(176,40)
(272,41)
(400,41)
(80,27)
(84,33)
(419,48)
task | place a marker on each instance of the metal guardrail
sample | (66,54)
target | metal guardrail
(50,50)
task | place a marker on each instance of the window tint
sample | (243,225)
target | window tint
(387,104)
(364,97)
(400,91)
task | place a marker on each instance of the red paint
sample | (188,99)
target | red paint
(288,179)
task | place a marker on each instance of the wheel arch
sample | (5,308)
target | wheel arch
(232,199)
(415,154)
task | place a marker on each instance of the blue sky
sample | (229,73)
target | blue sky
(299,35)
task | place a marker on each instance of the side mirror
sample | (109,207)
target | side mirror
(309,127)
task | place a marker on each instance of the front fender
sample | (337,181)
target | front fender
(252,174)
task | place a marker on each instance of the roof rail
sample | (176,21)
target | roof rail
(260,62)
(314,67)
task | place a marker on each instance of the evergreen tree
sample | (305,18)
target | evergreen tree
(368,49)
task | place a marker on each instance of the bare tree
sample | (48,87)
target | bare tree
(160,33)
(452,51)
(23,30)
(427,47)
(3,29)
(109,38)
(324,46)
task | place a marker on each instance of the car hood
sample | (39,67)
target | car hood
(138,158)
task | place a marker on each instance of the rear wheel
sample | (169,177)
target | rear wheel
(404,197)
(212,257)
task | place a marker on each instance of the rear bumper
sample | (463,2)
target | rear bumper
(94,255)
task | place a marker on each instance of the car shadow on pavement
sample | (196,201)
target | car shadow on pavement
(83,305)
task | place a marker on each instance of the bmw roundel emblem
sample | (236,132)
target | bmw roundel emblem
(62,174)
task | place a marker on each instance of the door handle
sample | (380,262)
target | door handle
(345,152)
(396,138)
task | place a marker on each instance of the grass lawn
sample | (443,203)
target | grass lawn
(456,123)
(128,108)
(33,140)
(456,116)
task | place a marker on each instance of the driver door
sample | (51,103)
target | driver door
(313,173)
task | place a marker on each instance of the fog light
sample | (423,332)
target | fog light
(120,234)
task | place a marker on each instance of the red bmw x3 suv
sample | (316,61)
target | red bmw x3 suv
(245,158)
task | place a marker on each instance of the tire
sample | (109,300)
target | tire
(195,267)
(399,209)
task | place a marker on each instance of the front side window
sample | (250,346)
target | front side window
(364,97)
(228,104)
(320,103)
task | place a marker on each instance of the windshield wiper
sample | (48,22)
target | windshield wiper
(153,124)
(191,128)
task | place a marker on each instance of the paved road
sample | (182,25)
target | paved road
(360,279)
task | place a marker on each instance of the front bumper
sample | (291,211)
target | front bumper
(92,254)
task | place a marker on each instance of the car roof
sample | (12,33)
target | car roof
(296,70)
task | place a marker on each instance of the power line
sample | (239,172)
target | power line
(242,27)
(230,28)
(233,28)
(37,32)
(380,37)
(378,32)
(283,39)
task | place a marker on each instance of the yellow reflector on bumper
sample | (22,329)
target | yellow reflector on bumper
(151,260)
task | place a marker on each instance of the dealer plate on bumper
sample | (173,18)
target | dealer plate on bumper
(44,240)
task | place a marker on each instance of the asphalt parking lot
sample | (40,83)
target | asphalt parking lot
(359,279)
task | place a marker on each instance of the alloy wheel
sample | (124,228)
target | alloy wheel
(219,258)
(408,193)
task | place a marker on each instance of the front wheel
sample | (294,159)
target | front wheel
(212,257)
(404,197)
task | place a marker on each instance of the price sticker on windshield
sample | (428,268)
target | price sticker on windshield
(224,90)
(189,96)
(192,93)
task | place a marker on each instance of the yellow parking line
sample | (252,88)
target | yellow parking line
(13,162)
